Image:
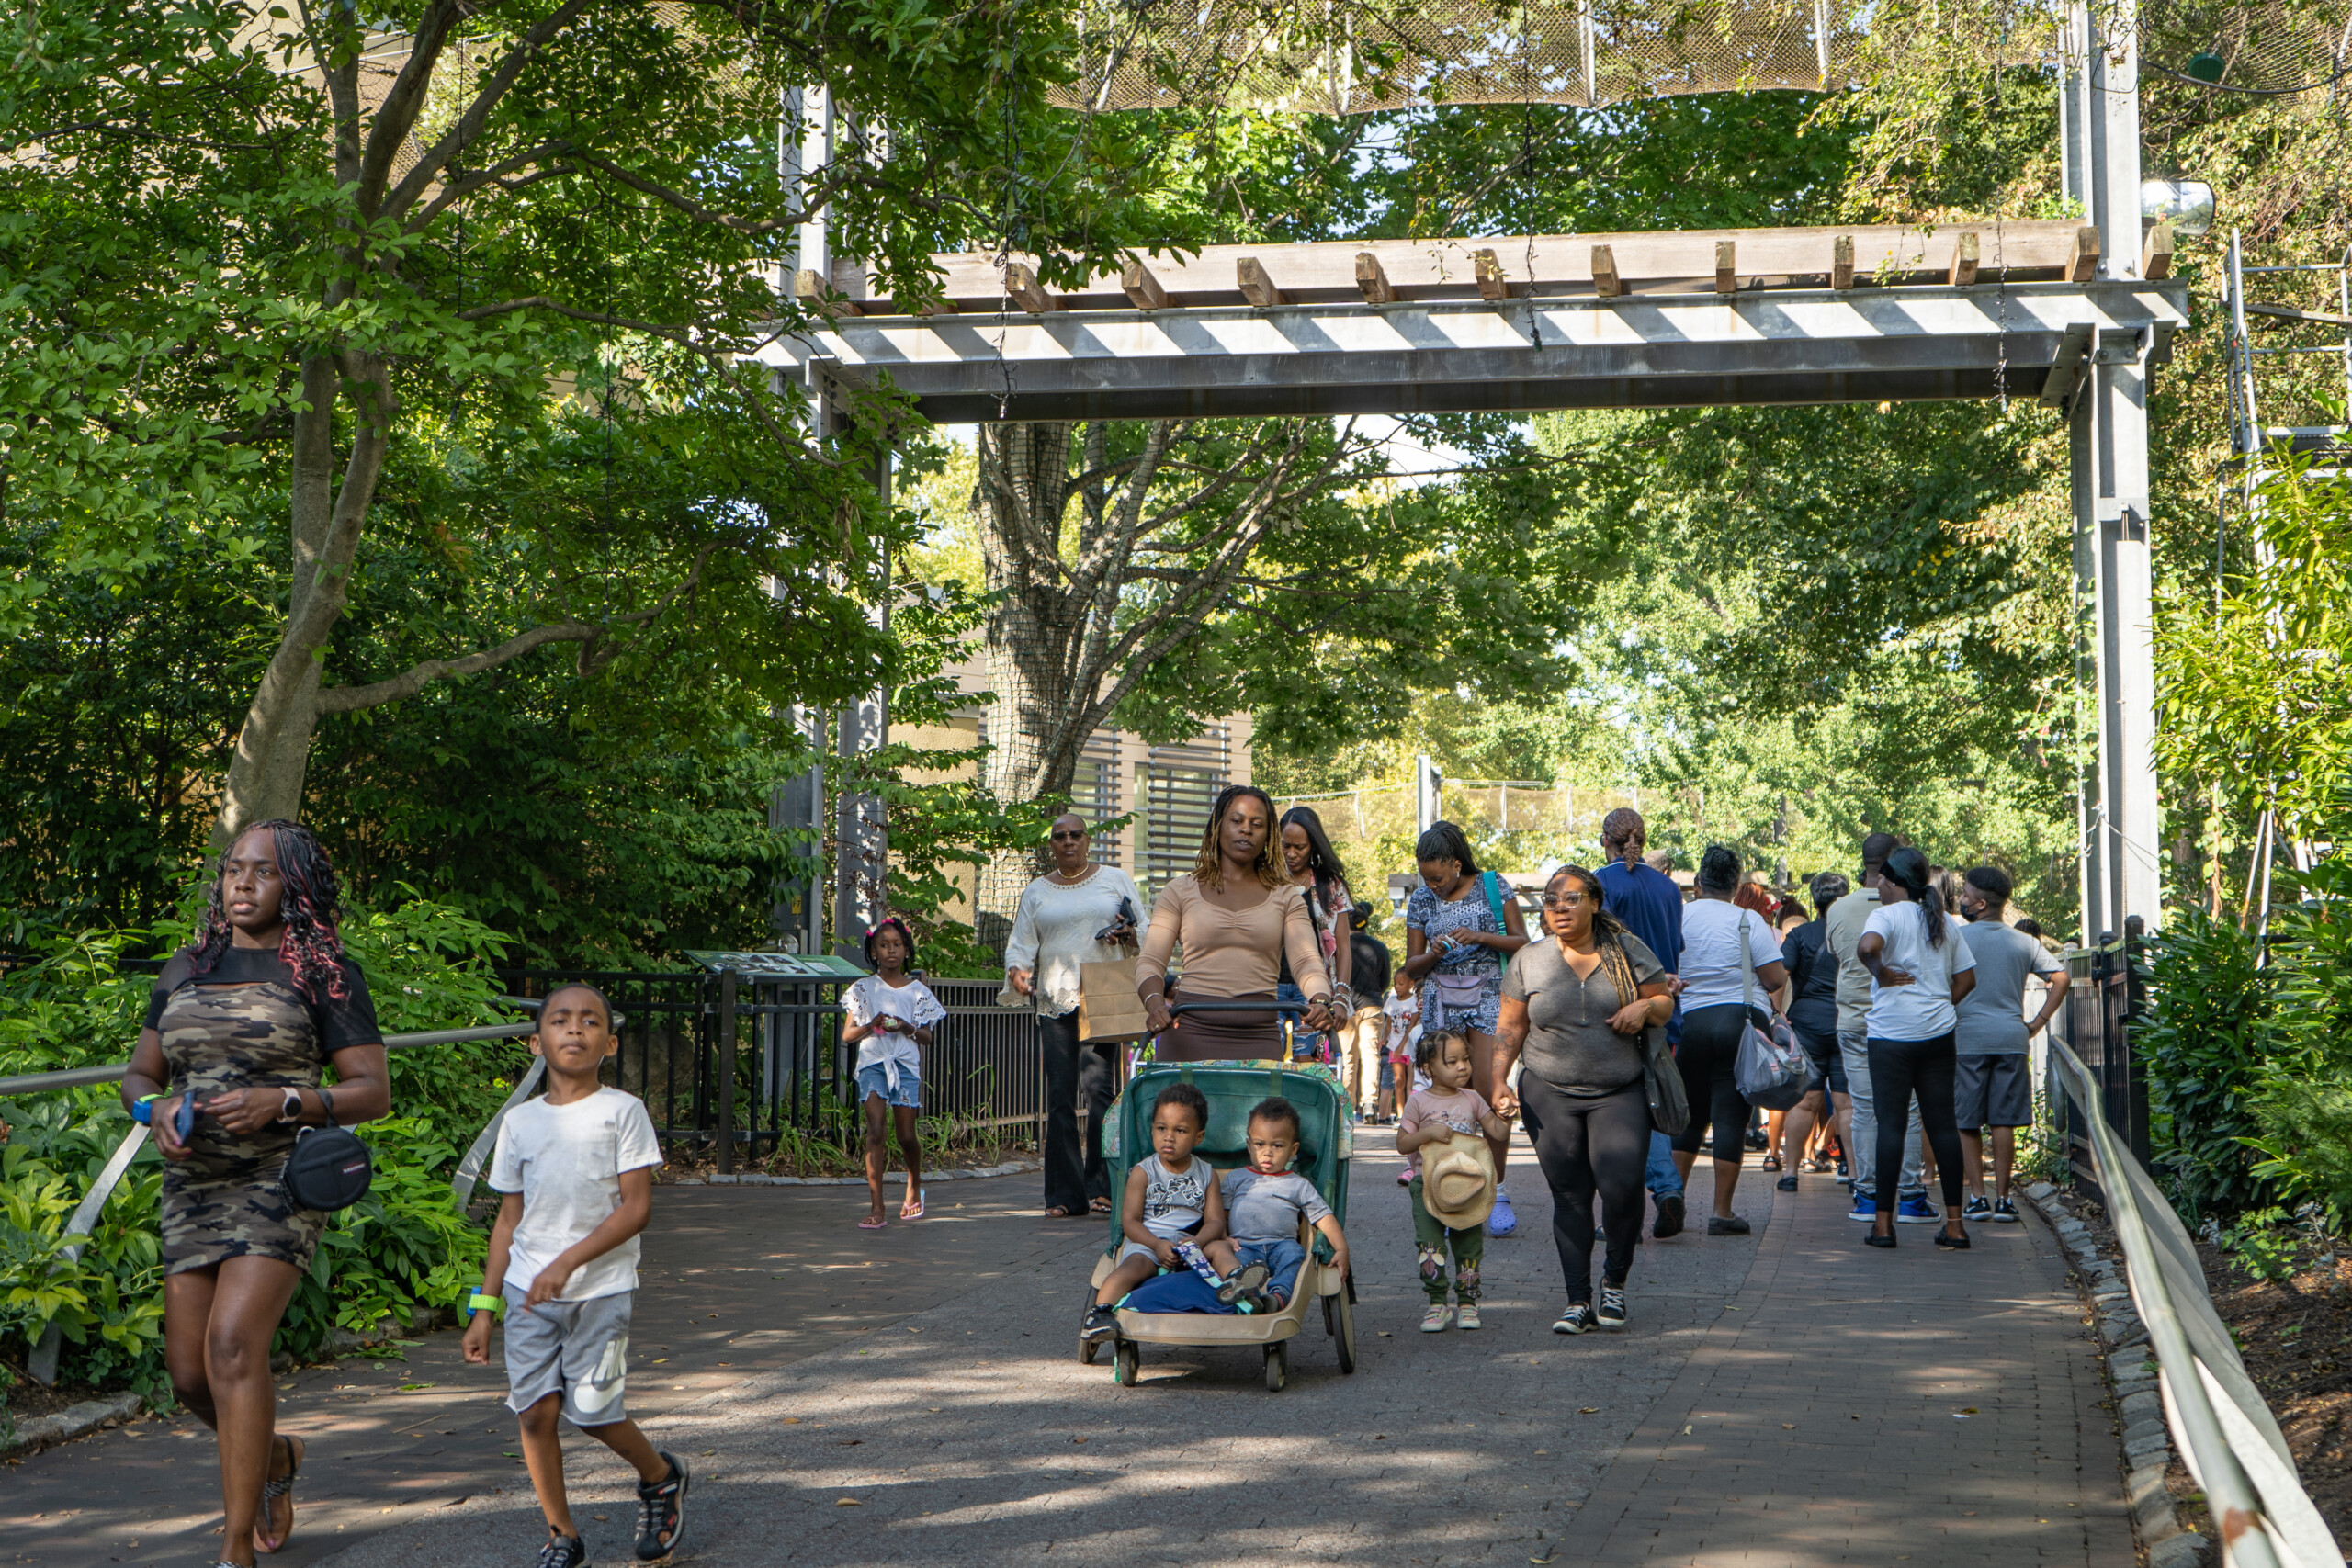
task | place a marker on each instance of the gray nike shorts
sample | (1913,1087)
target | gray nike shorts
(578,1349)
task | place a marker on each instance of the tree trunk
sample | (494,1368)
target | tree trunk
(272,756)
(1064,644)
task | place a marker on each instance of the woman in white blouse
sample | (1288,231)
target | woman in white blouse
(1057,929)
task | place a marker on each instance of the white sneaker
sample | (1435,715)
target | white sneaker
(1467,1315)
(1434,1320)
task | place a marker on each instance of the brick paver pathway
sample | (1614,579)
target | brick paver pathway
(913,1396)
(1859,1407)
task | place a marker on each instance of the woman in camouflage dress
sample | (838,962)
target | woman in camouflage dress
(241,1024)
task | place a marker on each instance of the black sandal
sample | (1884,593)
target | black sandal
(271,1491)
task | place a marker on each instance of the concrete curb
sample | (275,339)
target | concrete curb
(1011,1168)
(2132,1372)
(73,1421)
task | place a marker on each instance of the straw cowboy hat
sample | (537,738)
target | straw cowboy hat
(1458,1181)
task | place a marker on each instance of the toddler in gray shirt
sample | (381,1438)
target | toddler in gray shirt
(1265,1201)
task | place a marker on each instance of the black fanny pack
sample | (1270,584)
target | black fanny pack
(329,1168)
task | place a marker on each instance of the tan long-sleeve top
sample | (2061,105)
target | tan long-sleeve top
(1232,953)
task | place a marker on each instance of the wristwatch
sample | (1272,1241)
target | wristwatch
(289,1110)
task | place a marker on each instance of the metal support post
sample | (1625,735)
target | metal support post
(797,811)
(725,1119)
(2122,874)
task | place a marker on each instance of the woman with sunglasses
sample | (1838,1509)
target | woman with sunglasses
(1079,912)
(1577,1005)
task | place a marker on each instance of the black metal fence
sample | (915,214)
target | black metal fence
(985,1067)
(789,1073)
(2106,993)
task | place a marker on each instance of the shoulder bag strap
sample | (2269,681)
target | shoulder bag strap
(1493,884)
(1747,967)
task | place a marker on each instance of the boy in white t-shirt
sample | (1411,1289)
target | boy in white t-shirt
(575,1169)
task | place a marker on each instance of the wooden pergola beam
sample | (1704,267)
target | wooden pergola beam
(807,286)
(1142,289)
(1021,285)
(1963,261)
(1605,281)
(1257,287)
(1545,266)
(2082,261)
(1372,280)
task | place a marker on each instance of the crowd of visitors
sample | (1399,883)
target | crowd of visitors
(1618,1042)
(1613,1039)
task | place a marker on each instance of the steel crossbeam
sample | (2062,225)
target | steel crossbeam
(1777,346)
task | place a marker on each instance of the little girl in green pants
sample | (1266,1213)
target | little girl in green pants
(1448,1107)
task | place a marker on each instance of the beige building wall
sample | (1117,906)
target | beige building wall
(1168,789)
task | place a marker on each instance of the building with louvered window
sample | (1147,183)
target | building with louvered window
(1166,790)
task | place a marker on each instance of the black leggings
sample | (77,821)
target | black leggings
(1075,1069)
(1586,1145)
(1710,1047)
(1898,1068)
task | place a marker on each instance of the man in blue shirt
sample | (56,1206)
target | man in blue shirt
(1647,903)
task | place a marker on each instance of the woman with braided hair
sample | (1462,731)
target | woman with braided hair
(1578,1006)
(1237,918)
(227,1072)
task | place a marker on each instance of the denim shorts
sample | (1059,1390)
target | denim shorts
(875,1078)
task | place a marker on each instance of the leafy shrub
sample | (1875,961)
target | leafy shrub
(2205,1048)
(407,1244)
(2262,1243)
(2302,1107)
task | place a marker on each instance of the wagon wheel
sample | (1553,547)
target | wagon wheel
(1126,1363)
(1342,1307)
(1277,1365)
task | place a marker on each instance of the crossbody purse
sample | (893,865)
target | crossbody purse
(328,1169)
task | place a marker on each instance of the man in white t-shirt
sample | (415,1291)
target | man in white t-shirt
(1994,1088)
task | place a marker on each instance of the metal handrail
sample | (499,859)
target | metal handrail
(2227,1434)
(80,1078)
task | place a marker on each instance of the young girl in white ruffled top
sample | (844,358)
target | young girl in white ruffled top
(891,1015)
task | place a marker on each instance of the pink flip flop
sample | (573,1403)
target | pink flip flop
(913,1213)
(871,1225)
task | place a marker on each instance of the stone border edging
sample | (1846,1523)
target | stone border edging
(1011,1168)
(73,1421)
(2131,1370)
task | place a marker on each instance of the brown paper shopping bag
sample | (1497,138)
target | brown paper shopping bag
(1108,1008)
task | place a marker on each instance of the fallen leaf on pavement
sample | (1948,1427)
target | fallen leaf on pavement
(847,1503)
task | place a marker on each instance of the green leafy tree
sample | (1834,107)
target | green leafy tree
(316,265)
